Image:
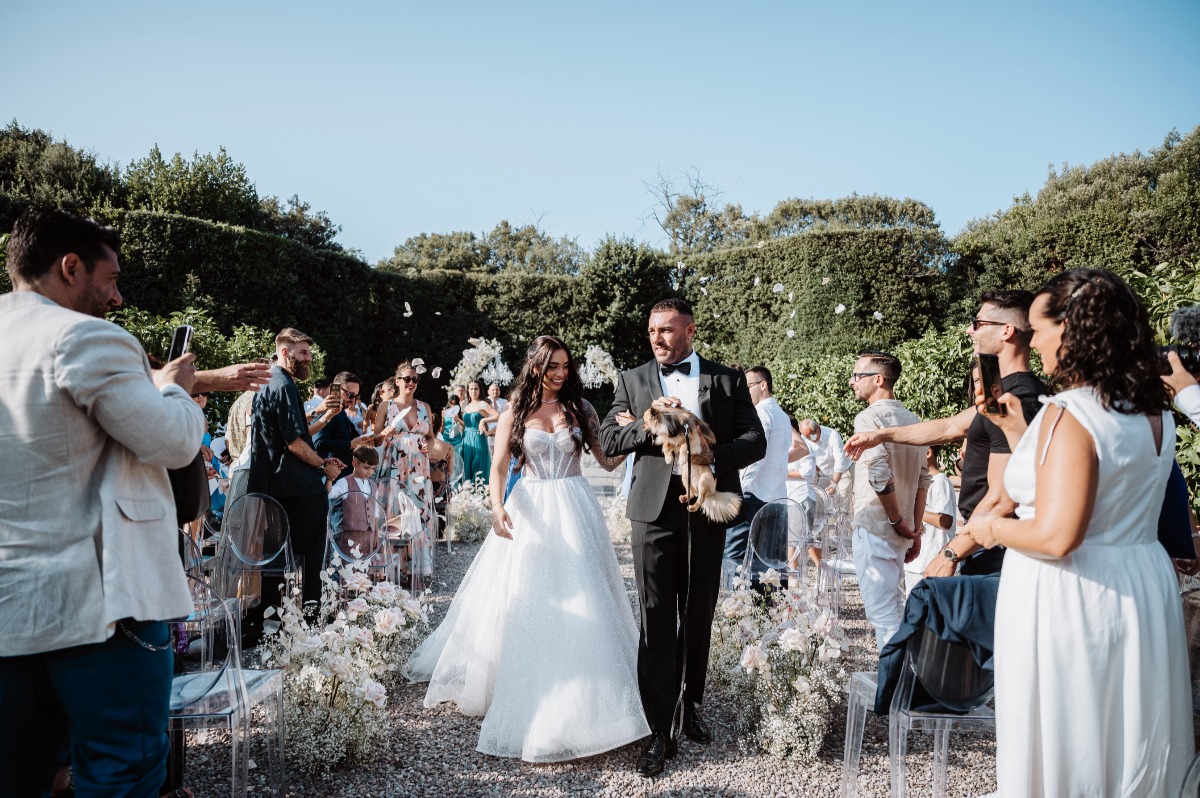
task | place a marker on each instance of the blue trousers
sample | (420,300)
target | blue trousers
(737,537)
(111,698)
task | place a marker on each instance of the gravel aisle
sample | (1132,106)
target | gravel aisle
(432,751)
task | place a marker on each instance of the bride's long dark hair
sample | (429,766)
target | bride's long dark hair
(526,397)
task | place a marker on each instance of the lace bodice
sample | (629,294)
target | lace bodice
(551,455)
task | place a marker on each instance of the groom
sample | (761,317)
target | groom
(665,574)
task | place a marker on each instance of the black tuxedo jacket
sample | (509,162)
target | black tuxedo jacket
(726,407)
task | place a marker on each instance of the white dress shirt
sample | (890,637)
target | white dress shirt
(1188,402)
(767,478)
(684,387)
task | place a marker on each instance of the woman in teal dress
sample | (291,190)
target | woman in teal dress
(452,433)
(477,413)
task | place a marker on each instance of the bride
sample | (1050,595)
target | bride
(540,638)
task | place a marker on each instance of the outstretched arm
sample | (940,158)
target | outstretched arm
(591,434)
(927,433)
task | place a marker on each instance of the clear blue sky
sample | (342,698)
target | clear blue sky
(399,118)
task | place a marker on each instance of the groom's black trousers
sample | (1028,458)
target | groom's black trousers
(661,567)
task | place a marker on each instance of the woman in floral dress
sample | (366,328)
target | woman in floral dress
(405,488)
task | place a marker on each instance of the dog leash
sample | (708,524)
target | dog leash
(677,715)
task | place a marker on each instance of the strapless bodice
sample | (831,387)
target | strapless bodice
(551,455)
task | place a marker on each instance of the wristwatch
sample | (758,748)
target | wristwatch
(949,554)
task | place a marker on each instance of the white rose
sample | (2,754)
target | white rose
(755,659)
(357,634)
(771,577)
(792,640)
(339,665)
(732,607)
(372,691)
(359,605)
(388,621)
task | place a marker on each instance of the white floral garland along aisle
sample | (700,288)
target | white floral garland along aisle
(777,656)
(339,671)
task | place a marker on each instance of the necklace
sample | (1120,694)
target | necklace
(549,401)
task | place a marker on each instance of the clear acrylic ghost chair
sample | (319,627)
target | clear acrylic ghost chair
(1191,623)
(407,538)
(771,545)
(837,561)
(1191,781)
(255,544)
(950,675)
(211,688)
(368,546)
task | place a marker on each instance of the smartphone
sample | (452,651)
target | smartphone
(181,341)
(987,369)
(335,392)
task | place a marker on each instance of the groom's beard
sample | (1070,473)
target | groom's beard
(299,370)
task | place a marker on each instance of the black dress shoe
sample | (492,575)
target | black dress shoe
(694,726)
(655,755)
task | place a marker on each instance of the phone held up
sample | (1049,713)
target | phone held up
(181,342)
(986,371)
(335,391)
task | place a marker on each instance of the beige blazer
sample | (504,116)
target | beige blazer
(87,520)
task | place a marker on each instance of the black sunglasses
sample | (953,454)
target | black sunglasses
(409,380)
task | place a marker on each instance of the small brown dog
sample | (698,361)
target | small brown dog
(677,430)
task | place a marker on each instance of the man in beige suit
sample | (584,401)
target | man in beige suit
(89,563)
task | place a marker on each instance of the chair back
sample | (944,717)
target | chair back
(777,534)
(948,672)
(1191,781)
(255,530)
(189,552)
(357,522)
(1191,624)
(210,662)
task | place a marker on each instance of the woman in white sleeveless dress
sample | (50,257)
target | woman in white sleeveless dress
(540,638)
(1093,695)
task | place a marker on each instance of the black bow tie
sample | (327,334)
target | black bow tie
(684,368)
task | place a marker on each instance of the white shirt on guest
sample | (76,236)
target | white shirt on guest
(342,487)
(825,457)
(767,478)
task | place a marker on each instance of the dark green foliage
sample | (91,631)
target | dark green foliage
(889,271)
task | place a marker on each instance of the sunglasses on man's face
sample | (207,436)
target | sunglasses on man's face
(350,394)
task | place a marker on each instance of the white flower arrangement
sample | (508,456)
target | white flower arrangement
(470,514)
(598,368)
(778,657)
(620,530)
(337,672)
(482,362)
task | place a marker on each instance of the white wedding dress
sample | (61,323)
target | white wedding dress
(540,638)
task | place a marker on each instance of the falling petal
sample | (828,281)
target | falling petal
(791,295)
(474,342)
(407,310)
(437,372)
(716,315)
(778,288)
(704,290)
(791,333)
(419,369)
(825,280)
(437,313)
(840,309)
(761,244)
(756,282)
(416,361)
(706,346)
(878,316)
(793,376)
(793,315)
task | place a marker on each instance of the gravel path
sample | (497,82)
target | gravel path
(432,751)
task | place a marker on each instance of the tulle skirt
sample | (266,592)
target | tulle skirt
(540,638)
